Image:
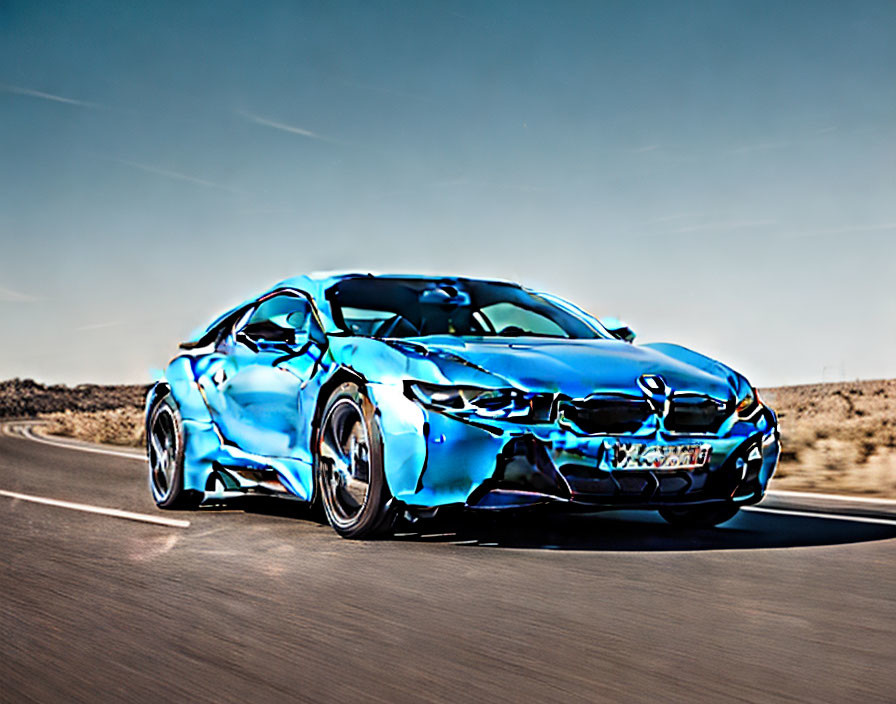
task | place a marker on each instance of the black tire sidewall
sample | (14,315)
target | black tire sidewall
(373,517)
(177,497)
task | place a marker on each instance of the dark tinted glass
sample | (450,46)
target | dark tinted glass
(397,307)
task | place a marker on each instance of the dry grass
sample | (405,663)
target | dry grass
(23,398)
(106,414)
(119,426)
(838,438)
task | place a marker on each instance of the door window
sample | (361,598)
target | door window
(283,318)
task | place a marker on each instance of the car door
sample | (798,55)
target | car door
(254,384)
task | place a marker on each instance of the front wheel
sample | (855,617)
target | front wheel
(165,451)
(349,472)
(705,516)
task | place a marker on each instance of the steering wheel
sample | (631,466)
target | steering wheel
(396,326)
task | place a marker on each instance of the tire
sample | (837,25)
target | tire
(165,453)
(348,471)
(705,516)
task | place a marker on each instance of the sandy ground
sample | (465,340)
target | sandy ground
(119,426)
(838,438)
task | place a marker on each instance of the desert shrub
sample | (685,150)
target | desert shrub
(837,437)
(119,426)
(26,397)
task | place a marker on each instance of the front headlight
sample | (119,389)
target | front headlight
(473,400)
(748,404)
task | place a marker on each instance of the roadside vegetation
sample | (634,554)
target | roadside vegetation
(118,426)
(92,412)
(837,437)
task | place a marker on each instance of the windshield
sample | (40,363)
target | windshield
(397,307)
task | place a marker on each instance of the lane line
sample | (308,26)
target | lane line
(833,497)
(87,508)
(438,535)
(828,516)
(27,433)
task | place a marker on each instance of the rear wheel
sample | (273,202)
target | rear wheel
(704,516)
(165,451)
(349,470)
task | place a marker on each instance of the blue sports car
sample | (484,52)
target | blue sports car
(384,396)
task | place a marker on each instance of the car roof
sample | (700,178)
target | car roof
(321,281)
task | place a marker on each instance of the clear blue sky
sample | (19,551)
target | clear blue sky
(719,174)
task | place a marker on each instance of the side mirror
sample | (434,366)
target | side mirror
(273,346)
(268,333)
(618,329)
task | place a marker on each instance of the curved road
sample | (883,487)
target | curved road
(264,604)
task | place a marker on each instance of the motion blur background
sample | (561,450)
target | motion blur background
(720,174)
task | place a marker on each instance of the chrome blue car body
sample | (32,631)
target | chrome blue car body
(498,420)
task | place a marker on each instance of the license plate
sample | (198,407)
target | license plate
(638,455)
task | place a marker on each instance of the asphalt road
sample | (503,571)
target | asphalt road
(265,604)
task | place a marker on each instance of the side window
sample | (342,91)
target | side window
(284,318)
(509,319)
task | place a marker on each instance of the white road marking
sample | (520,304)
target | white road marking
(828,516)
(27,432)
(113,512)
(832,497)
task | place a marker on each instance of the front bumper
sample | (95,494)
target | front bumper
(497,465)
(530,471)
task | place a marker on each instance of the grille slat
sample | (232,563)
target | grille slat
(621,414)
(695,414)
(606,414)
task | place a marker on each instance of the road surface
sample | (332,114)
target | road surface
(265,604)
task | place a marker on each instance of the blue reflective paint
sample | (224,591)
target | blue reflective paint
(253,409)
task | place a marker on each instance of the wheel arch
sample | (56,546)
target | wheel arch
(153,396)
(342,375)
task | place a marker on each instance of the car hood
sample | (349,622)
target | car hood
(572,367)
